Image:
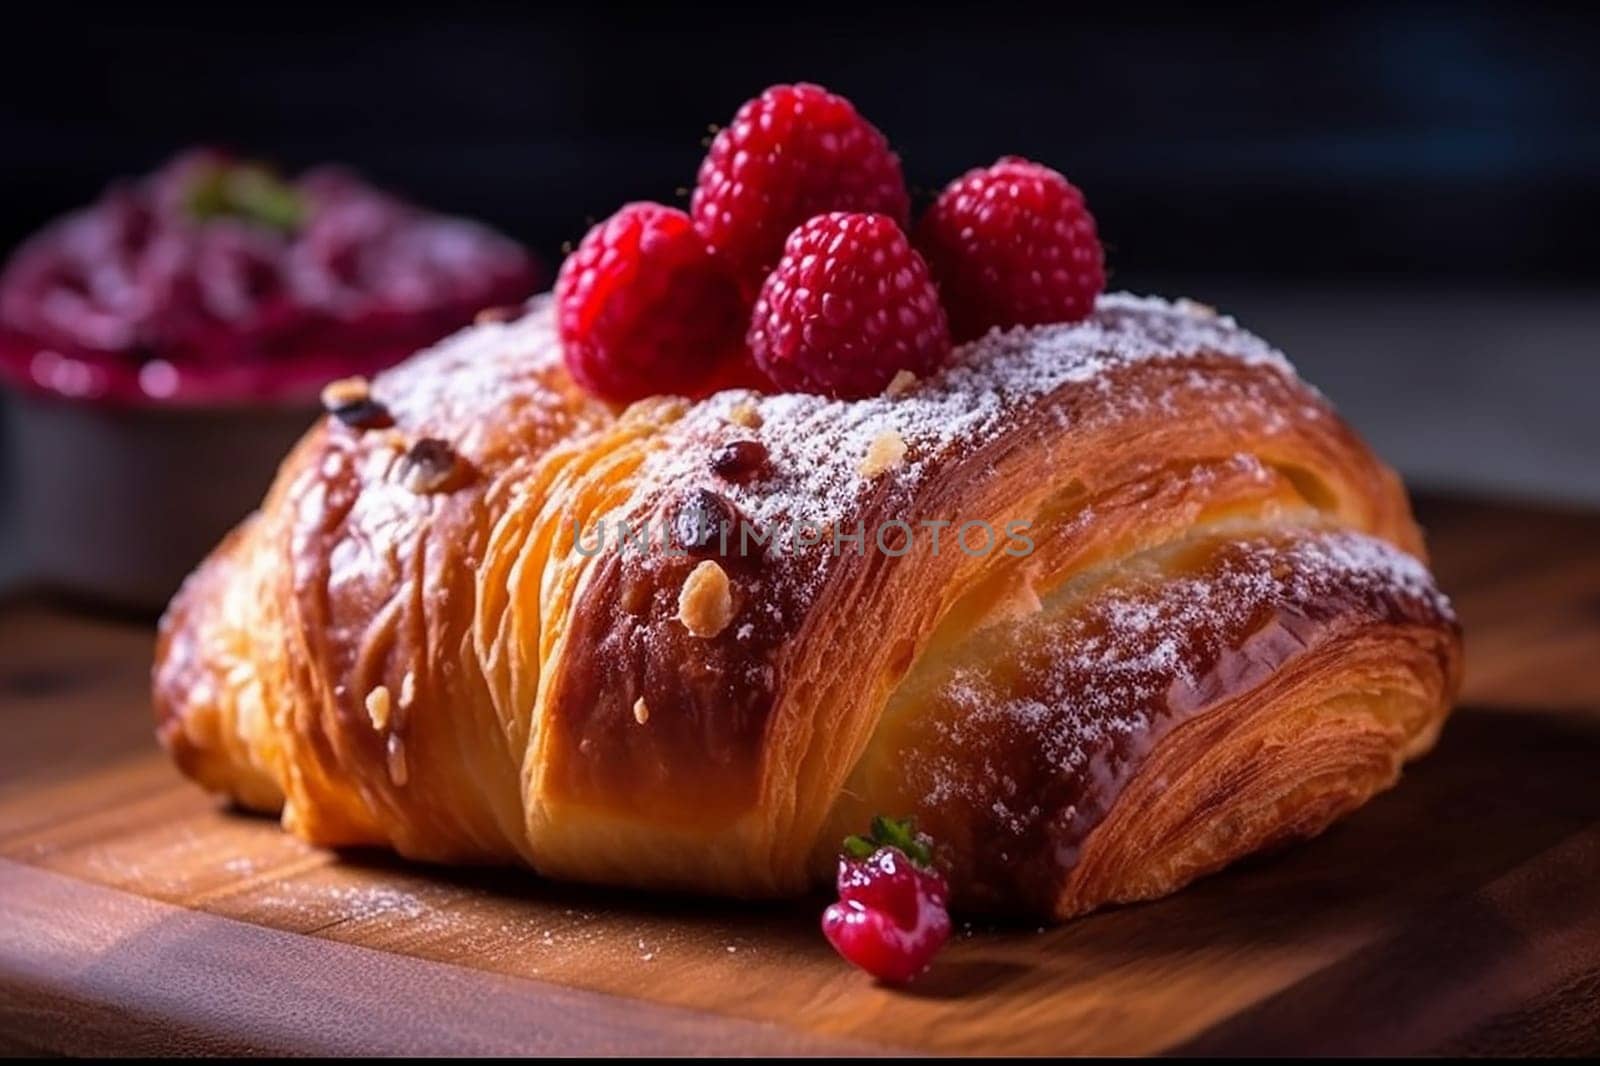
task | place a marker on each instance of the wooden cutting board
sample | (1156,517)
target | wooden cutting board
(1460,912)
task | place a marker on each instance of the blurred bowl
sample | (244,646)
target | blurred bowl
(163,346)
(117,505)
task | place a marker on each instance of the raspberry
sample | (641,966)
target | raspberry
(643,308)
(793,152)
(1012,244)
(848,305)
(891,918)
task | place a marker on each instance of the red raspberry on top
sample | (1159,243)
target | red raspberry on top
(793,152)
(848,305)
(642,307)
(1012,244)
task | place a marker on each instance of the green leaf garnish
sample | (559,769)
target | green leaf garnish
(900,833)
(859,847)
(247,191)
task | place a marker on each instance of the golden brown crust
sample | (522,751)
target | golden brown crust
(509,663)
(1145,724)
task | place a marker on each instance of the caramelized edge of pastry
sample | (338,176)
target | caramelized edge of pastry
(1104,871)
(1304,751)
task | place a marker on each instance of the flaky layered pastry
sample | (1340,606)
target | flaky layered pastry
(1105,606)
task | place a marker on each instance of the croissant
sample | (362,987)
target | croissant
(1104,605)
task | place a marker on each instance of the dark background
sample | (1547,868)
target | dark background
(1398,140)
(1401,195)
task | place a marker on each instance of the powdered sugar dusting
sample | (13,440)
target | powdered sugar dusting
(816,444)
(482,346)
(493,390)
(1047,748)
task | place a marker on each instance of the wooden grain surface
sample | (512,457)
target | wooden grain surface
(1460,912)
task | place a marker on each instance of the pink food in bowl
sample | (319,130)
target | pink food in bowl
(214,282)
(162,348)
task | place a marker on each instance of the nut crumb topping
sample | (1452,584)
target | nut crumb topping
(886,452)
(740,460)
(497,314)
(408,689)
(705,604)
(705,523)
(378,707)
(902,382)
(344,392)
(1196,308)
(428,466)
(350,400)
(746,415)
(655,410)
(641,711)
